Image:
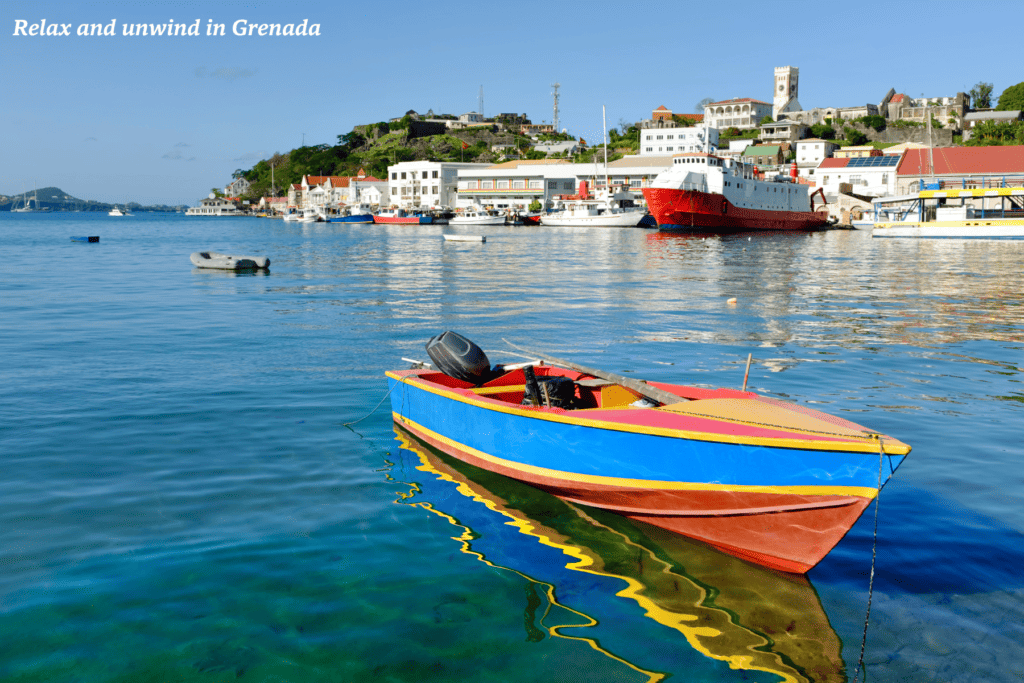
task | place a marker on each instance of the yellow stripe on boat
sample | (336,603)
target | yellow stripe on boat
(591,418)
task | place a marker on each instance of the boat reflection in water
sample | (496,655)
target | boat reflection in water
(603,575)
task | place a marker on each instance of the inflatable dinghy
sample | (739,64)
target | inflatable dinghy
(211,259)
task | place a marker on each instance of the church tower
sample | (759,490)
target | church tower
(787,81)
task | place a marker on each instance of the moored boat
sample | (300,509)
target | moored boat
(217,261)
(994,213)
(477,216)
(601,210)
(400,216)
(771,482)
(704,192)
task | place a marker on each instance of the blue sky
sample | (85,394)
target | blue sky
(162,119)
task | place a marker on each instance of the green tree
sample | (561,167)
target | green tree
(990,133)
(823,131)
(699,109)
(981,95)
(1012,98)
(854,136)
(535,206)
(767,118)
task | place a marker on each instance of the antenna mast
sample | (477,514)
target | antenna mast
(480,104)
(556,86)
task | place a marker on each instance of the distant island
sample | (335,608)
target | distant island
(56,199)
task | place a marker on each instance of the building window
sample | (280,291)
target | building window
(435,174)
(403,175)
(502,184)
(394,175)
(649,149)
(552,184)
(567,185)
(433,190)
(518,184)
(669,149)
(536,184)
(487,184)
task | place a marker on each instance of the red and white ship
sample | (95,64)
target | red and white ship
(704,192)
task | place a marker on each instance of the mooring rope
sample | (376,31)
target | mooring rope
(346,424)
(874,548)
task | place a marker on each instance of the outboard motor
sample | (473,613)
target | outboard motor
(457,357)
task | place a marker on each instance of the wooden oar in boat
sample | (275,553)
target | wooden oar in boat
(639,386)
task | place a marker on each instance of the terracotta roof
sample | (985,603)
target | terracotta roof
(831,162)
(368,179)
(964,160)
(898,97)
(692,117)
(662,108)
(737,99)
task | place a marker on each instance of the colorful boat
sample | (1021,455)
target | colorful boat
(400,216)
(772,482)
(702,192)
(965,213)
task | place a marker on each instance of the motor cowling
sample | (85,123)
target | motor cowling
(458,357)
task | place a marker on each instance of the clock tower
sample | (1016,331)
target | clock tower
(787,81)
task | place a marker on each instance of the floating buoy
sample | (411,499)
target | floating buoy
(731,301)
(90,238)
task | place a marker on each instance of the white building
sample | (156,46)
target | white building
(662,141)
(237,187)
(471,117)
(425,184)
(810,153)
(741,112)
(325,192)
(866,176)
(516,184)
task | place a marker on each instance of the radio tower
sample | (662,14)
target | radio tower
(480,104)
(555,93)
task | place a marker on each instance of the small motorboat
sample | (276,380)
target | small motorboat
(774,483)
(465,238)
(212,259)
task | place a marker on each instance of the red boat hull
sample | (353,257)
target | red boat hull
(787,532)
(705,211)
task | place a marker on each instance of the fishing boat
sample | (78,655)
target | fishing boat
(476,216)
(966,213)
(605,209)
(401,216)
(704,192)
(775,483)
(355,214)
(217,261)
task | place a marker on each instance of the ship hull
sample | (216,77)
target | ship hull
(695,211)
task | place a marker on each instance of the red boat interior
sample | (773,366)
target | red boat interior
(589,392)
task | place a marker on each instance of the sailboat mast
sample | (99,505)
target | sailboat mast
(604,138)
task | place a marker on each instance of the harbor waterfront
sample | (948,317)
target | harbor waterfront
(204,481)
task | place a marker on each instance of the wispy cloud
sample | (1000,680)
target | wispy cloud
(225,73)
(173,156)
(252,156)
(183,144)
(91,139)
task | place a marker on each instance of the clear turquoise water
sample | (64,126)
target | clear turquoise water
(182,500)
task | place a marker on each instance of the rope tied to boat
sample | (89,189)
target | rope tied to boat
(874,548)
(346,424)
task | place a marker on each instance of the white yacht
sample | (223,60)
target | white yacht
(477,216)
(115,211)
(605,210)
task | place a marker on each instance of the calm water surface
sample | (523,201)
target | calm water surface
(183,501)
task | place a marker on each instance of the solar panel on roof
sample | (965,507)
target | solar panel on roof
(873,162)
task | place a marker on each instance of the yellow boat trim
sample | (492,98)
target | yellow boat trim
(867,445)
(971,223)
(575,477)
(975,192)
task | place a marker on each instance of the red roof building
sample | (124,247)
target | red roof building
(959,166)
